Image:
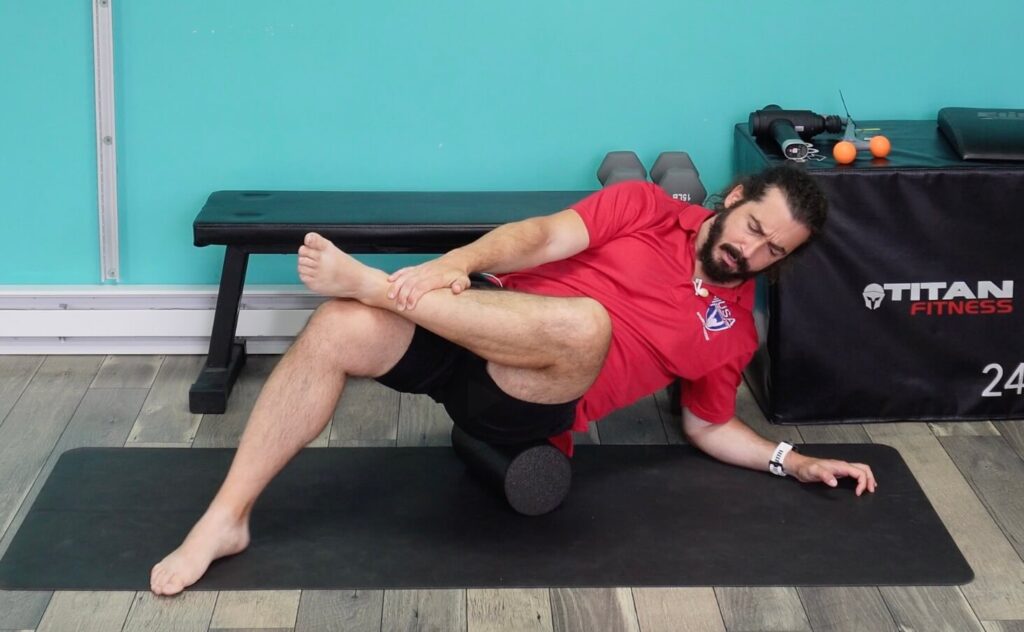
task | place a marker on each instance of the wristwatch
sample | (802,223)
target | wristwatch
(781,450)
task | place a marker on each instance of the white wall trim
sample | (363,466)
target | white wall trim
(144,319)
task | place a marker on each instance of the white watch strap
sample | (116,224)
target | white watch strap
(775,465)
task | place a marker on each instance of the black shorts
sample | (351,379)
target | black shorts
(457,378)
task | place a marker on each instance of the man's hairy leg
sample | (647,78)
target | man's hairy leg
(512,329)
(295,405)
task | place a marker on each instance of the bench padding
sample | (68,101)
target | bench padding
(367,222)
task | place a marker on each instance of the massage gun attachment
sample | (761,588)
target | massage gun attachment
(792,129)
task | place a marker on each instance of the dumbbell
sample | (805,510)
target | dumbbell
(619,166)
(533,477)
(674,172)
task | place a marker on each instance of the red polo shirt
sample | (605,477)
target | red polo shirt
(639,266)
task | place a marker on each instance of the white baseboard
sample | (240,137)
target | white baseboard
(144,319)
(132,346)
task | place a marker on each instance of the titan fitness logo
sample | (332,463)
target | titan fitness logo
(944,299)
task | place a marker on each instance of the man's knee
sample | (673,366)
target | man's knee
(339,327)
(335,320)
(590,330)
(360,339)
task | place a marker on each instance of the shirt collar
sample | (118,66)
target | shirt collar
(690,220)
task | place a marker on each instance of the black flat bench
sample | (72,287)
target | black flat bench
(275,222)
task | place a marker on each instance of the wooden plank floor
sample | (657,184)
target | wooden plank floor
(972,473)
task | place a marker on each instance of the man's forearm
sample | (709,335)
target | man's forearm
(736,443)
(507,248)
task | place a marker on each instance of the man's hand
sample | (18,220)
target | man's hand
(811,470)
(409,284)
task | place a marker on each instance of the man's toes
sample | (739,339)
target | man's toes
(316,242)
(307,252)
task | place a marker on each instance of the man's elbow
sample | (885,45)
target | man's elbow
(694,428)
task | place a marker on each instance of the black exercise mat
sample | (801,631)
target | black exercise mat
(346,518)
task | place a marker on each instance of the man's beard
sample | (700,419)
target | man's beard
(713,270)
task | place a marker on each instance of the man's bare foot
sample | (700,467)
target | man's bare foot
(217,534)
(330,272)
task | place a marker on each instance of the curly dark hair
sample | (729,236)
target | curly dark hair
(806,200)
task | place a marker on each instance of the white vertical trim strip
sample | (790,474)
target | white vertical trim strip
(106,139)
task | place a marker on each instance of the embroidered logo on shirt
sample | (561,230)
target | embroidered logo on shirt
(716,318)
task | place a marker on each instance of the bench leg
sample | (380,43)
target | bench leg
(209,393)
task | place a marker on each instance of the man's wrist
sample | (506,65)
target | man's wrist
(459,258)
(793,461)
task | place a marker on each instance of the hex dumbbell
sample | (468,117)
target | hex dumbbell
(619,166)
(675,172)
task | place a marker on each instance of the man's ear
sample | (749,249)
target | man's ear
(733,196)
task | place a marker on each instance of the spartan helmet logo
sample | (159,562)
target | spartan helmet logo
(873,295)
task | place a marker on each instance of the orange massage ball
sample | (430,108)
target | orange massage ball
(879,146)
(844,152)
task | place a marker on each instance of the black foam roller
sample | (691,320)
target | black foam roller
(533,477)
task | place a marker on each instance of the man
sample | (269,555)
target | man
(602,304)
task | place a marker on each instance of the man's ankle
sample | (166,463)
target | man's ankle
(236,513)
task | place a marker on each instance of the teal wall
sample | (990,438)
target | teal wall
(407,95)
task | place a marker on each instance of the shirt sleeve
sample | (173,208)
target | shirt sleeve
(712,397)
(617,210)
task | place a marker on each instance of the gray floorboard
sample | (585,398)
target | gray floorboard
(424,610)
(672,423)
(997,591)
(639,424)
(590,437)
(165,418)
(367,415)
(223,431)
(932,608)
(996,474)
(15,374)
(127,372)
(256,609)
(86,611)
(678,610)
(964,429)
(497,610)
(770,609)
(834,433)
(422,422)
(586,609)
(330,610)
(21,610)
(187,612)
(1013,432)
(846,609)
(1003,626)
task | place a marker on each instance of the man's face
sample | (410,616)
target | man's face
(749,237)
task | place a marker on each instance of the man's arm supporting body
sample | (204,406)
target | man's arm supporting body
(535,241)
(508,248)
(736,443)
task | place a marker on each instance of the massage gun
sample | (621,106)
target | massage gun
(791,129)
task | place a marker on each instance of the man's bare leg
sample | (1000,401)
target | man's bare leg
(563,341)
(539,348)
(343,338)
